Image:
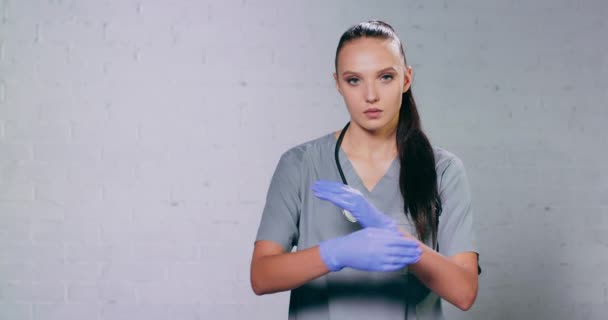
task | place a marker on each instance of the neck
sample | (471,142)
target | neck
(377,144)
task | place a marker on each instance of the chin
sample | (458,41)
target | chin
(373,125)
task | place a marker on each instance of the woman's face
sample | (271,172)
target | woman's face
(371,77)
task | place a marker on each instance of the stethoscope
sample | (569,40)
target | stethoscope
(345,212)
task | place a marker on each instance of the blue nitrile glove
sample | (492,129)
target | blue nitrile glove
(370,249)
(353,200)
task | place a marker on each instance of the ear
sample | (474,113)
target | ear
(337,85)
(407,81)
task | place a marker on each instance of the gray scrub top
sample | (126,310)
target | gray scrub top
(294,217)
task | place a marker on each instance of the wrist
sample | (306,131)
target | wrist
(326,251)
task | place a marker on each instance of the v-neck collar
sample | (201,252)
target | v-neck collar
(354,179)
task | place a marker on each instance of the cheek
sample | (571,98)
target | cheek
(351,96)
(392,93)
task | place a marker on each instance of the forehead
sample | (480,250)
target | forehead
(367,53)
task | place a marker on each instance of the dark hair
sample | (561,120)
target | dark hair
(418,177)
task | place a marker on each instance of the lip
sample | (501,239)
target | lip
(373,113)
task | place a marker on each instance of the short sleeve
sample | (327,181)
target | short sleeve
(279,221)
(455,231)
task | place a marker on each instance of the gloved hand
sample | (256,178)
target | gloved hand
(370,249)
(352,200)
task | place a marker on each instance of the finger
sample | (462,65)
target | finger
(405,254)
(402,252)
(389,263)
(335,187)
(345,198)
(416,259)
(328,197)
(383,236)
(328,185)
(342,205)
(336,192)
(397,264)
(332,193)
(390,234)
(403,249)
(338,201)
(392,267)
(327,194)
(401,243)
(409,260)
(405,260)
(392,247)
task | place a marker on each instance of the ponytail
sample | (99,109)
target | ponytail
(418,177)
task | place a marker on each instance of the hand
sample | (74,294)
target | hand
(352,200)
(370,249)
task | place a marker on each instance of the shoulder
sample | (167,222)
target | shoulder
(308,150)
(446,163)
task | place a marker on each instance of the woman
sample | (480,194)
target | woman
(412,242)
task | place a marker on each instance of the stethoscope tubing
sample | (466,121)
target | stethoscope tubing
(346,213)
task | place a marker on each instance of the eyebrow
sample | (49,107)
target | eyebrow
(381,71)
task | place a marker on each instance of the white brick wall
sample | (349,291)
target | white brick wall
(137,140)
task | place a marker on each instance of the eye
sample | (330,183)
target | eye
(352,81)
(387,77)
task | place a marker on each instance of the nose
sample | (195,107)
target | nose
(371,94)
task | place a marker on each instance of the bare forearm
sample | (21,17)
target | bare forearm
(286,271)
(450,280)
